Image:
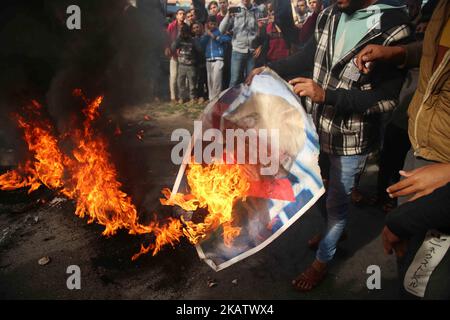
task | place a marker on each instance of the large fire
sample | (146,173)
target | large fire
(88,176)
(216,187)
(47,165)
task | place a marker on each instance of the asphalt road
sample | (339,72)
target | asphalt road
(30,231)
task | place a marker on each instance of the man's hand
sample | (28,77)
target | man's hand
(257,52)
(421,182)
(254,72)
(261,23)
(392,243)
(373,52)
(305,87)
(168,52)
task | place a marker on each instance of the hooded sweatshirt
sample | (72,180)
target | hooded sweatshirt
(244,26)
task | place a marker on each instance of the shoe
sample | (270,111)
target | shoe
(191,102)
(181,101)
(201,100)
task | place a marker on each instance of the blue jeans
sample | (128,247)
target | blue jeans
(240,63)
(343,172)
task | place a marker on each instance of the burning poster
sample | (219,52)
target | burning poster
(232,210)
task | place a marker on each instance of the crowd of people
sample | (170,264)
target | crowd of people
(215,47)
(375,77)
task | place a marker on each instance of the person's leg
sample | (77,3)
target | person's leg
(216,79)
(173,78)
(250,64)
(385,166)
(226,66)
(198,89)
(396,145)
(203,83)
(403,146)
(209,73)
(237,60)
(181,79)
(343,172)
(342,175)
(191,77)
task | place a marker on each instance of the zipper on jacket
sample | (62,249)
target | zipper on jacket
(427,94)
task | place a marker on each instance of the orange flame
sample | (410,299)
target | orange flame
(94,183)
(216,187)
(47,164)
(89,177)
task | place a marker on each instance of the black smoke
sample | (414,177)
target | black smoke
(118,53)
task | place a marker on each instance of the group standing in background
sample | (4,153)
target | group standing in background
(366,93)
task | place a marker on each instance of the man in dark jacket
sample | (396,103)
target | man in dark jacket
(345,104)
(188,51)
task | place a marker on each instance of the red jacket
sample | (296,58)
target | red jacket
(172,32)
(277,47)
(308,28)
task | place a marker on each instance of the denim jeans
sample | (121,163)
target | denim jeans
(241,66)
(343,170)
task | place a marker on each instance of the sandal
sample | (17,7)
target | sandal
(309,279)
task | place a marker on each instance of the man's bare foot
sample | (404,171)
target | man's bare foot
(311,277)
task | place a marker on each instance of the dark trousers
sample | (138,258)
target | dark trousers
(396,145)
(202,86)
(428,212)
(226,66)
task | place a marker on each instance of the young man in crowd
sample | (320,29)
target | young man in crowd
(242,21)
(173,30)
(201,82)
(274,45)
(223,9)
(190,17)
(345,104)
(294,36)
(312,5)
(213,43)
(223,4)
(302,13)
(187,50)
(213,8)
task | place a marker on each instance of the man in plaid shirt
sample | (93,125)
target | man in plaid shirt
(345,104)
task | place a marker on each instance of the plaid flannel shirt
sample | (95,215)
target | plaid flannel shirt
(354,133)
(355,130)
